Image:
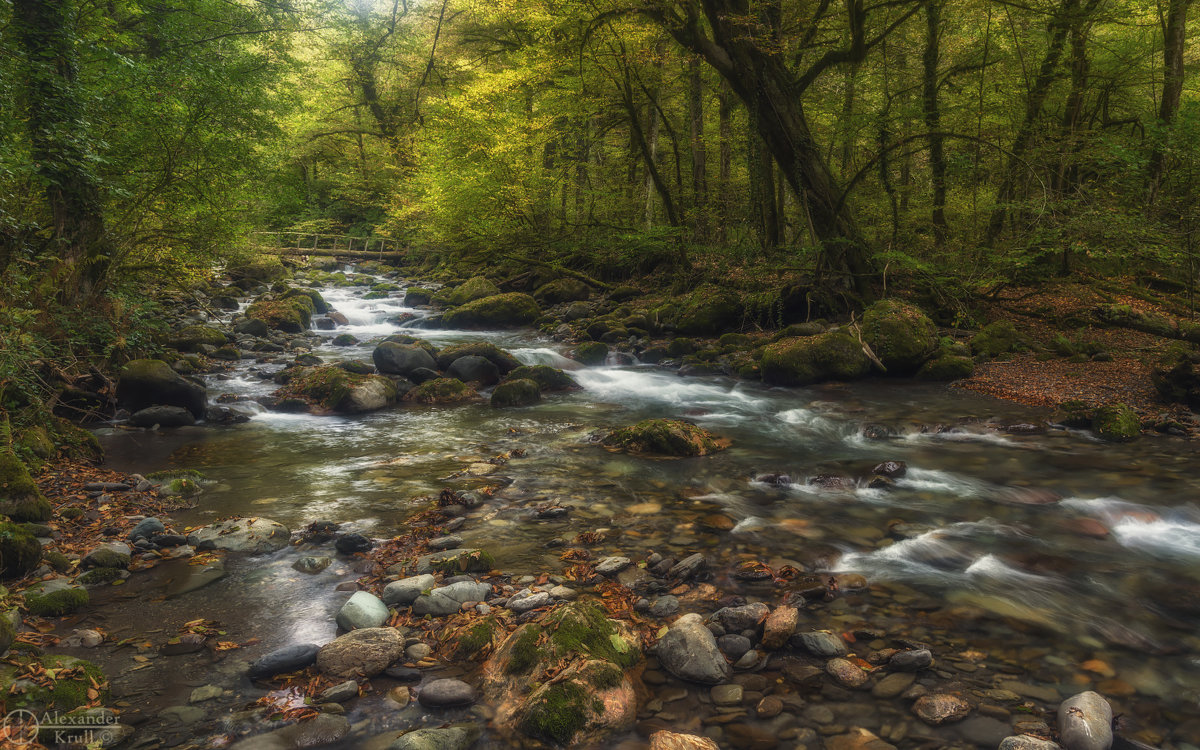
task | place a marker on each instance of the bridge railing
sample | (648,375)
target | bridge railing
(301,241)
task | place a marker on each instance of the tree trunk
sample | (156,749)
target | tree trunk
(933,118)
(1174,45)
(762,189)
(725,133)
(60,146)
(699,155)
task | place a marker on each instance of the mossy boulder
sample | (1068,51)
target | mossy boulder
(1176,376)
(510,310)
(519,392)
(37,442)
(8,633)
(441,391)
(1116,423)
(503,361)
(402,359)
(20,498)
(665,437)
(65,686)
(708,311)
(318,302)
(335,389)
(548,378)
(947,367)
(901,336)
(55,598)
(195,338)
(20,552)
(562,680)
(290,315)
(415,296)
(995,339)
(805,360)
(100,576)
(562,290)
(592,353)
(263,268)
(470,290)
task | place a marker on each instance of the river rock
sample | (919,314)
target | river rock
(1027,742)
(664,740)
(734,645)
(823,643)
(146,528)
(911,661)
(474,369)
(857,739)
(689,567)
(445,542)
(1085,722)
(527,600)
(111,555)
(449,599)
(360,653)
(610,566)
(689,651)
(152,382)
(936,709)
(846,673)
(447,738)
(286,659)
(737,619)
(406,590)
(249,535)
(779,626)
(162,416)
(446,693)
(312,565)
(339,693)
(894,684)
(351,544)
(726,695)
(401,359)
(664,606)
(363,610)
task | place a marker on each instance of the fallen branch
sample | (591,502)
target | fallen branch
(559,269)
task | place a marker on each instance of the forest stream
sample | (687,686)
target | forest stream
(1034,562)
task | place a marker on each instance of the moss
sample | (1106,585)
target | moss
(57,603)
(1176,376)
(1116,423)
(559,712)
(36,442)
(193,338)
(7,632)
(901,336)
(75,440)
(498,311)
(503,361)
(290,315)
(66,692)
(441,391)
(800,329)
(738,340)
(995,339)
(324,387)
(547,377)
(666,437)
(584,628)
(472,289)
(20,552)
(20,498)
(681,347)
(562,290)
(526,649)
(179,487)
(57,560)
(263,268)
(592,353)
(520,392)
(468,561)
(415,295)
(813,359)
(708,311)
(97,576)
(474,638)
(318,302)
(344,339)
(602,675)
(947,367)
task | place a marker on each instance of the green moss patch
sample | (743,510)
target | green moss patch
(901,336)
(560,711)
(503,361)
(665,437)
(20,552)
(526,649)
(547,377)
(470,290)
(1116,423)
(291,315)
(805,360)
(56,602)
(64,685)
(520,392)
(499,311)
(441,391)
(995,339)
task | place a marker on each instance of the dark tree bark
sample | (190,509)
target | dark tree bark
(725,168)
(1174,44)
(699,153)
(933,118)
(60,146)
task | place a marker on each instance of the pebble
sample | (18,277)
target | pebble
(363,610)
(726,695)
(418,651)
(823,643)
(349,544)
(846,673)
(562,592)
(1027,742)
(610,566)
(406,590)
(689,567)
(769,707)
(818,714)
(1085,722)
(936,709)
(689,651)
(205,693)
(911,661)
(748,660)
(664,606)
(310,564)
(734,646)
(526,601)
(779,626)
(445,542)
(446,693)
(339,693)
(286,659)
(400,695)
(894,684)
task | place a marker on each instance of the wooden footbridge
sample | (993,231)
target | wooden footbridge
(342,246)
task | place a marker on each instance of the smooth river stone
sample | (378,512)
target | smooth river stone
(1085,722)
(446,693)
(363,610)
(689,651)
(846,673)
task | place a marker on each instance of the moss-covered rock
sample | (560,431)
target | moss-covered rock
(415,296)
(471,639)
(195,338)
(20,498)
(592,353)
(665,437)
(548,378)
(441,391)
(519,392)
(291,315)
(55,598)
(708,311)
(65,686)
(503,361)
(995,339)
(20,552)
(36,442)
(1116,423)
(805,360)
(589,698)
(562,290)
(947,367)
(901,336)
(333,388)
(319,304)
(498,311)
(8,633)
(1176,376)
(100,576)
(263,268)
(470,290)
(1125,316)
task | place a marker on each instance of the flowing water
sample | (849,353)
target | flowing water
(1024,551)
